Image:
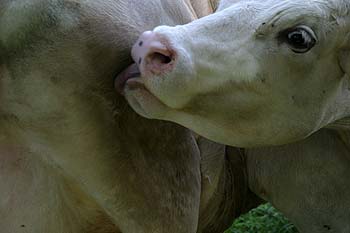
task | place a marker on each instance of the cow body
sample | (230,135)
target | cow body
(307,180)
(74,157)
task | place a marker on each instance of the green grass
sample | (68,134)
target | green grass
(264,219)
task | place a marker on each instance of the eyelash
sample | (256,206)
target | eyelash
(305,44)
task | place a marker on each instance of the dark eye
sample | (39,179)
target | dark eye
(300,39)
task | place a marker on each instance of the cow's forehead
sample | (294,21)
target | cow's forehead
(336,7)
(269,16)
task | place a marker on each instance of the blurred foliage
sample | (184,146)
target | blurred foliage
(264,219)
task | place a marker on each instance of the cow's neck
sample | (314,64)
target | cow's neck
(339,110)
(298,172)
(225,192)
(342,124)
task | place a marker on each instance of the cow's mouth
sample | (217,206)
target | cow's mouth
(131,77)
(130,84)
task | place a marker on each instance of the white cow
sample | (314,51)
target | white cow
(254,73)
(73,157)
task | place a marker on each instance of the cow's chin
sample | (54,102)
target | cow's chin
(144,102)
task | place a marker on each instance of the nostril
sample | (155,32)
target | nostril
(153,54)
(159,61)
(160,58)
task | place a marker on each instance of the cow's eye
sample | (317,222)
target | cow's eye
(300,39)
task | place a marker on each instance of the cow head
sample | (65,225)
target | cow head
(254,73)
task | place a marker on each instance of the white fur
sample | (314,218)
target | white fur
(236,83)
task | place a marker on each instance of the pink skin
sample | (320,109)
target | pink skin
(128,76)
(152,56)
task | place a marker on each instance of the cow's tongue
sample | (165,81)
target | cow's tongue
(131,72)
